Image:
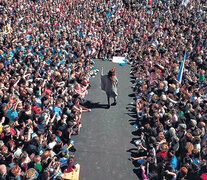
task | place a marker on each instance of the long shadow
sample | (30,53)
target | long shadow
(131,95)
(134,140)
(133,120)
(130,104)
(94,105)
(135,133)
(133,123)
(131,107)
(133,115)
(133,151)
(132,77)
(138,173)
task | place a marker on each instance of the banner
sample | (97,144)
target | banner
(118,59)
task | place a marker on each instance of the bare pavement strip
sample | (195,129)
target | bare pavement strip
(103,143)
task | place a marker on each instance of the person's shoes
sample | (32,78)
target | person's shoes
(108,106)
(114,103)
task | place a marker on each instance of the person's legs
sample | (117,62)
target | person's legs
(115,101)
(108,99)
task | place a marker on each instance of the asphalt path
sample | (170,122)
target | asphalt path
(103,145)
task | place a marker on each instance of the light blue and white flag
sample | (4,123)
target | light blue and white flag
(180,74)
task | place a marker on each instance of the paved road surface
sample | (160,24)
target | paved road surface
(105,137)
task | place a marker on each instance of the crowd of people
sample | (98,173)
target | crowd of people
(46,61)
(44,77)
(171,109)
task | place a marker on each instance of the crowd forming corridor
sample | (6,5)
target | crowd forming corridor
(104,140)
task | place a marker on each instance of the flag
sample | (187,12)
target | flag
(180,74)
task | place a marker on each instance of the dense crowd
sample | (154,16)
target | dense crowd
(46,52)
(172,113)
(44,77)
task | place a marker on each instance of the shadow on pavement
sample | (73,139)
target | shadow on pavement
(133,115)
(138,173)
(131,95)
(133,121)
(94,105)
(132,77)
(135,133)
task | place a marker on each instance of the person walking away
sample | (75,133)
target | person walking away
(109,84)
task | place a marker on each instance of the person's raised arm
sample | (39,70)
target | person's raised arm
(84,109)
(145,149)
(139,158)
(65,90)
(2,120)
(53,160)
(171,173)
(29,135)
(53,118)
(61,84)
(25,75)
(15,106)
(18,79)
(47,120)
(25,71)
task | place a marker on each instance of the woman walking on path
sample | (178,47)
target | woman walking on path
(109,84)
